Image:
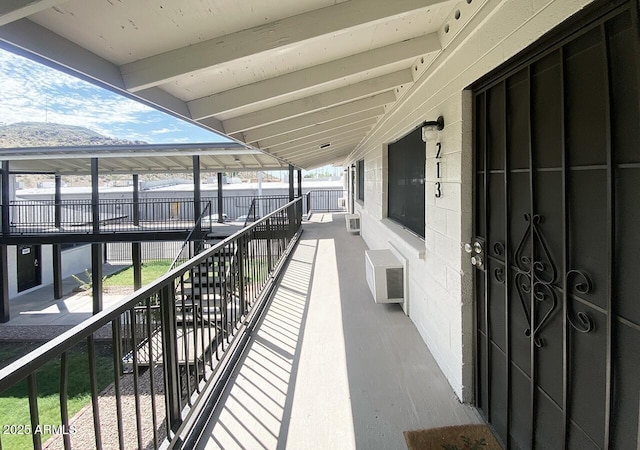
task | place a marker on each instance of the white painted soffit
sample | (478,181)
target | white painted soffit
(252,70)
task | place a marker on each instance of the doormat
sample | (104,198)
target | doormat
(462,437)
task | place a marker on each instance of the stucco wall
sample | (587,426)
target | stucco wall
(440,279)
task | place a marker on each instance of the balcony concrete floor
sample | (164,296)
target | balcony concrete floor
(328,368)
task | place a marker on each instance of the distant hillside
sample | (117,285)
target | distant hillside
(40,134)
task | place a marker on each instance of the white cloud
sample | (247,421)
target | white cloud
(165,130)
(32,92)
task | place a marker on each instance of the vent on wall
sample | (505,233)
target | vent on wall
(385,276)
(342,202)
(353,222)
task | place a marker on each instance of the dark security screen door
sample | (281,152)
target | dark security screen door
(557,207)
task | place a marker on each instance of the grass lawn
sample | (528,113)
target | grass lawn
(151,271)
(14,403)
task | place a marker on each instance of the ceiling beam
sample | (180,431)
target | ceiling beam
(315,151)
(316,157)
(300,159)
(340,140)
(352,134)
(338,143)
(322,160)
(300,80)
(12,10)
(322,116)
(313,132)
(49,47)
(287,131)
(278,35)
(257,161)
(319,140)
(42,45)
(317,102)
(177,162)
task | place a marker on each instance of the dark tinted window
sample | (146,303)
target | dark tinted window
(361,180)
(406,181)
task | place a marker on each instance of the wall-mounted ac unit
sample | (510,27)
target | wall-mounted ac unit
(342,202)
(353,222)
(385,276)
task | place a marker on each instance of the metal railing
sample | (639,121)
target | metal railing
(326,200)
(174,342)
(121,252)
(119,215)
(238,206)
(192,245)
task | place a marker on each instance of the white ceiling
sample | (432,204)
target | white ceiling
(284,76)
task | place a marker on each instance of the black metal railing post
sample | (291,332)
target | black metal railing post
(221,208)
(32,387)
(6,213)
(242,246)
(170,356)
(291,196)
(196,188)
(136,259)
(136,200)
(267,225)
(57,249)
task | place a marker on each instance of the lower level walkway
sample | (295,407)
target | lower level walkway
(36,315)
(328,368)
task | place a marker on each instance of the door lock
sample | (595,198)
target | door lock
(475,249)
(476,261)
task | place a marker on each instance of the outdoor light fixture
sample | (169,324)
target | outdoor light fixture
(328,144)
(430,128)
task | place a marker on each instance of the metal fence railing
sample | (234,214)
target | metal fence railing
(237,207)
(174,342)
(119,215)
(328,200)
(122,252)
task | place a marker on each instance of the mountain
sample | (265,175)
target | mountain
(40,134)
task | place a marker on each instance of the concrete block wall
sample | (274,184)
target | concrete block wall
(440,300)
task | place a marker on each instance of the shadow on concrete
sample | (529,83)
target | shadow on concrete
(329,368)
(255,409)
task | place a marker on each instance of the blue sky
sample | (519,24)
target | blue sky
(32,92)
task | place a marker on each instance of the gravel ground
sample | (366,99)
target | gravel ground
(84,437)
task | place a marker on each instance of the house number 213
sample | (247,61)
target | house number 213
(438,190)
